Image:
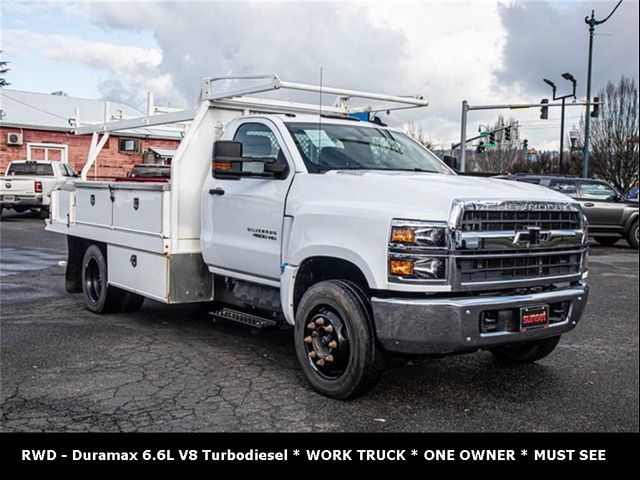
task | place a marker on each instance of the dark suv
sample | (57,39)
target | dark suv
(611,215)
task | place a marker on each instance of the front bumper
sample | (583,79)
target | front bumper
(22,201)
(438,326)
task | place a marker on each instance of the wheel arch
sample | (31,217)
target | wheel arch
(313,270)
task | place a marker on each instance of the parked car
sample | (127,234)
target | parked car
(148,173)
(27,184)
(611,215)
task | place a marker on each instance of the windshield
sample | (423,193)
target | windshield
(30,168)
(355,147)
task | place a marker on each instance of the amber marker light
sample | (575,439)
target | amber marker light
(403,235)
(403,268)
(217,166)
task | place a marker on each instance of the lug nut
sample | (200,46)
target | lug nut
(332,344)
(312,354)
(311,326)
(308,339)
(329,358)
(328,328)
(320,363)
(320,321)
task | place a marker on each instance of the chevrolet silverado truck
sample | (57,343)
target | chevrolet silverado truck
(27,184)
(351,232)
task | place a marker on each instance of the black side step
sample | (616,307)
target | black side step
(242,318)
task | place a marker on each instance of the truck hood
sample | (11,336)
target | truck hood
(414,195)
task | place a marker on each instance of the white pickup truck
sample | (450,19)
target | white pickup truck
(350,231)
(27,184)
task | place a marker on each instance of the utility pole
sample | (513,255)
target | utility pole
(592,22)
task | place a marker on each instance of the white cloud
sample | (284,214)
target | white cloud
(134,69)
(481,51)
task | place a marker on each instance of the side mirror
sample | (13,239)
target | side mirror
(451,162)
(229,163)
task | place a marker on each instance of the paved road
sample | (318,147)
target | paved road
(167,369)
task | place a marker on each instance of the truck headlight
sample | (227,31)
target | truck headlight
(426,235)
(418,251)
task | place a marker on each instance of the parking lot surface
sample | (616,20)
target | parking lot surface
(171,369)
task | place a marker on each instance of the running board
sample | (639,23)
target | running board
(242,318)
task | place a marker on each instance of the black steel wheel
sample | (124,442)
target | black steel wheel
(99,296)
(335,341)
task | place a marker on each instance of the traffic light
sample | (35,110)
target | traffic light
(480,148)
(525,144)
(492,138)
(544,110)
(596,108)
(507,134)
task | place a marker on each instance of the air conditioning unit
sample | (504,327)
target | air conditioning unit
(14,139)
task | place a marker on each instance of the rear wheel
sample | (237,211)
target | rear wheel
(99,296)
(526,352)
(606,241)
(44,213)
(335,341)
(632,235)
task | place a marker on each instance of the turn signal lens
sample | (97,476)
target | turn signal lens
(222,166)
(403,235)
(402,268)
(37,186)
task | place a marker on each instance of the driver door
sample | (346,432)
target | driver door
(600,203)
(243,218)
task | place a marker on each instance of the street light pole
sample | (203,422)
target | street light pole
(569,77)
(561,136)
(592,22)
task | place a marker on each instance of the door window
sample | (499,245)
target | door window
(568,187)
(596,191)
(259,141)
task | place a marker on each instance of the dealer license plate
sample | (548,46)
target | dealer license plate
(9,198)
(533,318)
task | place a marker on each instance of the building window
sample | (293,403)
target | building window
(129,145)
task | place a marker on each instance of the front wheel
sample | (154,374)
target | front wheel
(334,340)
(528,352)
(632,235)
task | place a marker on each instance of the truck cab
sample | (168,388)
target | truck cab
(347,230)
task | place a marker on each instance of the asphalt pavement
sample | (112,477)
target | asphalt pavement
(171,369)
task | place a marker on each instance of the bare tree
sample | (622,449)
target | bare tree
(498,158)
(418,134)
(3,70)
(614,135)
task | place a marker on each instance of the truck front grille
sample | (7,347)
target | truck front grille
(517,242)
(499,268)
(513,220)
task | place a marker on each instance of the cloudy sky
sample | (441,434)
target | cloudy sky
(481,51)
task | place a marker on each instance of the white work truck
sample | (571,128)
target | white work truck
(27,184)
(350,231)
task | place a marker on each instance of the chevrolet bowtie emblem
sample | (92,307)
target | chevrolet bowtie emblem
(530,236)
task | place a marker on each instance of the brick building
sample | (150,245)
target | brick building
(39,126)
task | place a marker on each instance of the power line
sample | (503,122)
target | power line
(34,107)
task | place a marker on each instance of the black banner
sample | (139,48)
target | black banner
(322,451)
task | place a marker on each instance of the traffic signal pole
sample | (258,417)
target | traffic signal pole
(466,108)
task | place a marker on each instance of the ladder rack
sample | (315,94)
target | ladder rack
(239,99)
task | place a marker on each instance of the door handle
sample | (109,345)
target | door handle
(589,204)
(216,191)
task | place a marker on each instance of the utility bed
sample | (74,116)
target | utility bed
(133,221)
